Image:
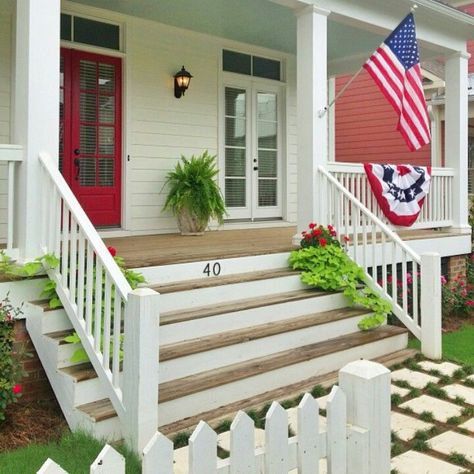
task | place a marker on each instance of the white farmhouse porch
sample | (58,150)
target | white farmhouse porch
(313,42)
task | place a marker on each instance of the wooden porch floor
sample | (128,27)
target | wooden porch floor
(163,249)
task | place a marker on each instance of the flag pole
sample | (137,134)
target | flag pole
(322,112)
(333,101)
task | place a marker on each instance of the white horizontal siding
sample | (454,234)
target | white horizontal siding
(161,128)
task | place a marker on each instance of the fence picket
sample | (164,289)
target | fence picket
(50,467)
(108,461)
(336,434)
(276,440)
(308,436)
(203,450)
(158,455)
(242,445)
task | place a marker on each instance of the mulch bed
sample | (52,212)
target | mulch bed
(33,422)
(453,323)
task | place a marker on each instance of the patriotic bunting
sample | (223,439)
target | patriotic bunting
(400,190)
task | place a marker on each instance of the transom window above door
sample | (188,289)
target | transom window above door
(250,65)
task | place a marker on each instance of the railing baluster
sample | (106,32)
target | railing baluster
(117,328)
(89,288)
(107,320)
(404,283)
(415,271)
(58,213)
(98,306)
(374,249)
(364,242)
(73,261)
(384,262)
(65,247)
(394,272)
(80,275)
(11,204)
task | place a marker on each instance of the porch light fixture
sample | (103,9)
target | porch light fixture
(181,82)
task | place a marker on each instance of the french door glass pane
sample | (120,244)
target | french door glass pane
(106,109)
(88,138)
(235,192)
(267,126)
(235,147)
(267,192)
(106,172)
(106,78)
(87,172)
(106,140)
(88,107)
(88,72)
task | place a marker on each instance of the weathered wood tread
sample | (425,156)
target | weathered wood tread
(237,336)
(222,280)
(44,305)
(80,372)
(231,373)
(180,316)
(216,416)
(103,409)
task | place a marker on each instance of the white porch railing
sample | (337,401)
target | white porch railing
(411,283)
(437,211)
(356,439)
(115,325)
(11,155)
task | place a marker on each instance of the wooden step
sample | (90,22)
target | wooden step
(228,338)
(176,389)
(180,316)
(214,378)
(222,280)
(289,392)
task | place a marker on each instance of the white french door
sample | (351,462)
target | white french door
(251,150)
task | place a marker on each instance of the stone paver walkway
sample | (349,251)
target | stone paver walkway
(441,445)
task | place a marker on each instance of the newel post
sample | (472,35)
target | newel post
(366,385)
(140,367)
(431,305)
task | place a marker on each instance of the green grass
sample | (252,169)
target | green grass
(457,345)
(74,452)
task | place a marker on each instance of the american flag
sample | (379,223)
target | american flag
(395,67)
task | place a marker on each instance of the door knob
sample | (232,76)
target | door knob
(255,168)
(77,152)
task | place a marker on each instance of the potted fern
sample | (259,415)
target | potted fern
(194,196)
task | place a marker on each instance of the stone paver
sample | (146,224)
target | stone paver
(415,379)
(223,439)
(444,368)
(457,390)
(406,426)
(413,462)
(293,420)
(441,409)
(450,441)
(471,378)
(403,392)
(468,425)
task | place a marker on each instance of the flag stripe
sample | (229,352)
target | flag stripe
(395,68)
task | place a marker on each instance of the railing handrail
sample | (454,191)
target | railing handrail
(9,152)
(86,226)
(359,168)
(390,233)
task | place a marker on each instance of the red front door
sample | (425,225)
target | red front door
(91,132)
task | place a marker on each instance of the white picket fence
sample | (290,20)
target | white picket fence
(356,439)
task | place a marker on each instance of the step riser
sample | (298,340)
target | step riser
(163,274)
(65,353)
(175,410)
(55,320)
(226,293)
(223,356)
(107,430)
(177,332)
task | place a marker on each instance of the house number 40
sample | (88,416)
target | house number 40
(213,270)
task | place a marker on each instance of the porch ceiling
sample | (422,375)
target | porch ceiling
(257,22)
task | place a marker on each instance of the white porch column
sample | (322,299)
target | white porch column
(36,110)
(312,97)
(456,133)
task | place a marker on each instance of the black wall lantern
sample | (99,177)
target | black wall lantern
(181,82)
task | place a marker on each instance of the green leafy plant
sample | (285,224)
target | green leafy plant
(14,270)
(325,265)
(193,193)
(11,369)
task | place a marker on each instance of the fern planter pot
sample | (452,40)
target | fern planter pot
(189,224)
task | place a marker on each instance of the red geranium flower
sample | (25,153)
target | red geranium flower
(323,242)
(317,232)
(17,389)
(312,225)
(346,238)
(112,250)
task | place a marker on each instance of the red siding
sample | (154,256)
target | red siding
(366,127)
